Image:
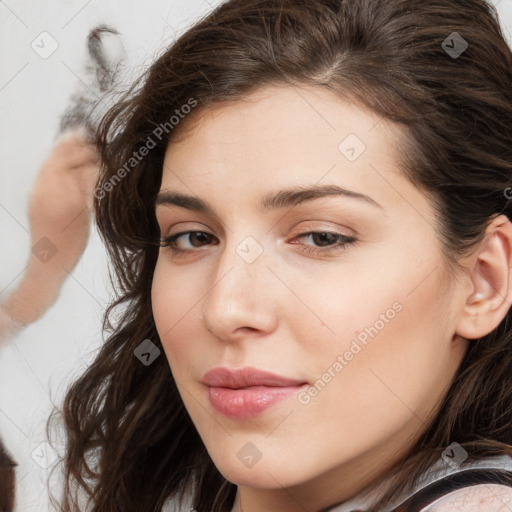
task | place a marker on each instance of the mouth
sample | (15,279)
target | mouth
(247,392)
(248,402)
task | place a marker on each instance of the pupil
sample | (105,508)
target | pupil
(198,235)
(324,238)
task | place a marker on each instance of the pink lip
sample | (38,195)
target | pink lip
(247,392)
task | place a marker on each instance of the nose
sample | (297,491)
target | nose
(242,298)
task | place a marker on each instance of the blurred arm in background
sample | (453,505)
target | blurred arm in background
(59,214)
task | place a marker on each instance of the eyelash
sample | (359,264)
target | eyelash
(168,242)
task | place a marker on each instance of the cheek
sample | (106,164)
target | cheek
(389,313)
(390,359)
(175,305)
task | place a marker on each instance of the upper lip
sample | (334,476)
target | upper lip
(246,377)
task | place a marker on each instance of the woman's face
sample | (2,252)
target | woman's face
(307,255)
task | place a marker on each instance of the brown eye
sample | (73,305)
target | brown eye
(325,241)
(194,238)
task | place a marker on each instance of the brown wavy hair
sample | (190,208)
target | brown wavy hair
(131,444)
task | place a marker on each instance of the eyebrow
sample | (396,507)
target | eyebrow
(272,201)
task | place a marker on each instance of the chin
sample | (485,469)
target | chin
(258,480)
(265,474)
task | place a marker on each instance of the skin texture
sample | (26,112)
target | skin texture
(293,313)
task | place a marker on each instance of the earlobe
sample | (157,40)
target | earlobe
(491,282)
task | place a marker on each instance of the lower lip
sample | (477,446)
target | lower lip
(249,402)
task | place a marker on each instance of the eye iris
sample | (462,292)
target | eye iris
(198,235)
(324,238)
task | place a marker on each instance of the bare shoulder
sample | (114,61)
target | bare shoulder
(477,498)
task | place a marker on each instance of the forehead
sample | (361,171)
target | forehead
(280,136)
(288,122)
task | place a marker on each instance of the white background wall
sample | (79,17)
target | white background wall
(37,366)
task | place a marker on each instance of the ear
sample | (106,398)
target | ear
(490,275)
